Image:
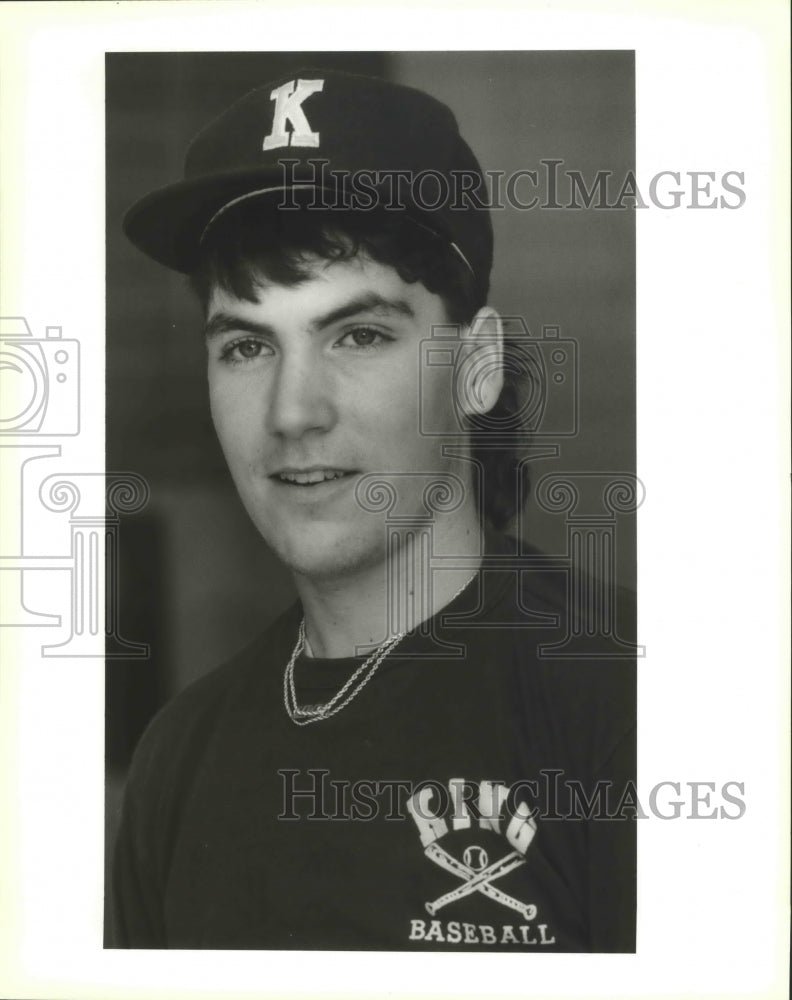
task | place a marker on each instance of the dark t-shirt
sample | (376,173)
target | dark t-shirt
(459,801)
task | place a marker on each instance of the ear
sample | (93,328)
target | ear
(480,368)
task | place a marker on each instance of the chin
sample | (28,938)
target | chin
(325,553)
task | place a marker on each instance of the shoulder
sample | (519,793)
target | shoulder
(575,648)
(183,728)
(554,587)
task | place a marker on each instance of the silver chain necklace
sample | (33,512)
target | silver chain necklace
(303,715)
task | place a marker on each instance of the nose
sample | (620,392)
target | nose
(301,397)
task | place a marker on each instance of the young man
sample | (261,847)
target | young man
(407,759)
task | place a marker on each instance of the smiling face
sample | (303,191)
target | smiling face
(314,386)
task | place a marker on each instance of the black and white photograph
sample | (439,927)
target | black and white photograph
(394,345)
(394,437)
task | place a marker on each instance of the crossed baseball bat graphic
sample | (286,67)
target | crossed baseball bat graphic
(477,881)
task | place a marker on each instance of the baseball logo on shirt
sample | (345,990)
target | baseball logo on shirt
(475,871)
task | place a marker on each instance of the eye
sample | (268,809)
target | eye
(363,337)
(242,350)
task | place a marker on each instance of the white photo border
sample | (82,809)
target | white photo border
(713,306)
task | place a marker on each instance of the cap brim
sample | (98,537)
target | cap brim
(168,224)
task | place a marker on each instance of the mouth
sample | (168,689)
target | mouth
(307,478)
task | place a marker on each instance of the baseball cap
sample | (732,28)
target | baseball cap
(345,140)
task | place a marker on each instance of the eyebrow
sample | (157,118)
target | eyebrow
(222,322)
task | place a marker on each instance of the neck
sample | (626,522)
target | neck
(353,614)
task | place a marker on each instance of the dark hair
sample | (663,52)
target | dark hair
(251,241)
